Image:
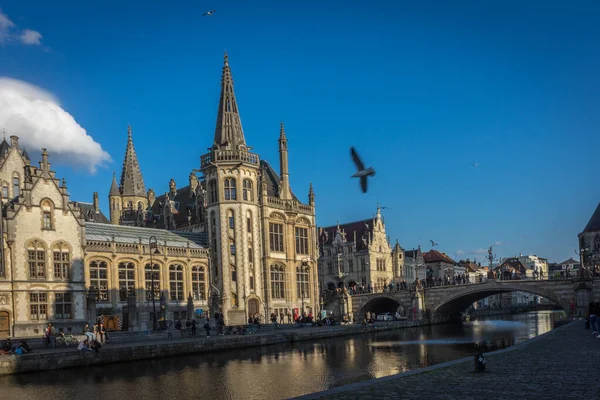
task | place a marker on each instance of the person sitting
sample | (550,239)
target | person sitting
(24,347)
(7,347)
(84,346)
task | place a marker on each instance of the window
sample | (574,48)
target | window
(302,240)
(176,282)
(233,274)
(350,266)
(230,193)
(38,306)
(199,283)
(276,236)
(36,259)
(302,281)
(126,280)
(363,267)
(16,186)
(99,279)
(250,254)
(63,306)
(277,282)
(251,282)
(152,273)
(5,191)
(212,189)
(248,225)
(247,190)
(62,262)
(231,222)
(330,267)
(47,209)
(232,248)
(380,264)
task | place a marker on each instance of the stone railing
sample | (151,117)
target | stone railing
(133,248)
(127,248)
(289,205)
(93,245)
(229,155)
(177,251)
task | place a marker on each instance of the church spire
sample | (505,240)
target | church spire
(229,126)
(285,192)
(132,182)
(114,189)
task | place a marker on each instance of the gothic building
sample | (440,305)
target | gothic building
(589,241)
(359,253)
(262,238)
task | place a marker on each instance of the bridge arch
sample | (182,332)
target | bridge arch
(449,308)
(379,305)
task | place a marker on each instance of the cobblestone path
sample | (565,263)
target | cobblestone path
(562,364)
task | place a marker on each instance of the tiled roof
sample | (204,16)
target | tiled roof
(593,224)
(133,234)
(184,199)
(514,263)
(569,261)
(362,228)
(469,265)
(435,256)
(90,214)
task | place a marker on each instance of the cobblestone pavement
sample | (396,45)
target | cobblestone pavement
(562,364)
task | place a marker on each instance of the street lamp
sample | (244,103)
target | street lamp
(153,244)
(491,257)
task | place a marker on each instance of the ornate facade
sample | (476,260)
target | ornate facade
(359,253)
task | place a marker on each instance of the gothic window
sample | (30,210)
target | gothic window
(350,266)
(63,305)
(363,266)
(199,283)
(62,262)
(251,282)
(152,276)
(232,248)
(231,222)
(247,192)
(16,186)
(212,189)
(229,185)
(249,225)
(36,260)
(176,282)
(5,191)
(126,280)
(233,274)
(302,240)
(276,236)
(38,306)
(277,282)
(250,254)
(47,215)
(99,279)
(302,281)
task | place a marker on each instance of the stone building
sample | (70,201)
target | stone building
(121,271)
(589,241)
(414,265)
(43,234)
(359,253)
(441,265)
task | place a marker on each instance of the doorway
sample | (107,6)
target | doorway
(252,306)
(4,324)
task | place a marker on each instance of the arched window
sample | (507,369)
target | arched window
(16,186)
(212,189)
(5,191)
(99,279)
(302,281)
(36,260)
(126,280)
(152,276)
(47,215)
(62,261)
(176,282)
(247,192)
(199,283)
(277,282)
(229,185)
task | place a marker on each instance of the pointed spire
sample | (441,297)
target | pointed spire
(132,182)
(378,211)
(285,191)
(114,188)
(281,131)
(229,125)
(311,195)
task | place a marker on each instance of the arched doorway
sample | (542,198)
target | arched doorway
(4,324)
(252,306)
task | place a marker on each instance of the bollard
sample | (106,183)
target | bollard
(479,362)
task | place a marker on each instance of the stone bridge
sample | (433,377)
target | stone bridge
(445,303)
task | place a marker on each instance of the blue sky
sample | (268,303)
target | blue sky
(422,90)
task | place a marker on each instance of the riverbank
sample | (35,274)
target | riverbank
(550,366)
(46,359)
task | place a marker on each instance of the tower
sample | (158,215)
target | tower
(231,172)
(285,192)
(130,198)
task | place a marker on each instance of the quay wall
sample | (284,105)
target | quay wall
(72,358)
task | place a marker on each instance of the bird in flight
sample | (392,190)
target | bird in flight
(363,173)
(433,244)
(475,164)
(209,13)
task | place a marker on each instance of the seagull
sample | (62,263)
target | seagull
(209,13)
(362,173)
(475,164)
(433,244)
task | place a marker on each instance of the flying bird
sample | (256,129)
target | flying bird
(433,244)
(362,173)
(209,13)
(475,164)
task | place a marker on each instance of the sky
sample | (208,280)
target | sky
(423,90)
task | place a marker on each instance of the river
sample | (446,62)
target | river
(281,371)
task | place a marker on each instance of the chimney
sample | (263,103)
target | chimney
(45,165)
(14,142)
(96,203)
(151,197)
(172,188)
(193,181)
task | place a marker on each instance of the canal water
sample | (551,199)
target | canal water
(281,371)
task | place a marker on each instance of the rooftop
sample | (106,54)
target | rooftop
(133,234)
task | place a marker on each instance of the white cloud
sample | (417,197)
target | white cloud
(460,253)
(31,37)
(35,116)
(10,33)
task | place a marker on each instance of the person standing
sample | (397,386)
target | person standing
(193,327)
(52,335)
(281,321)
(207,326)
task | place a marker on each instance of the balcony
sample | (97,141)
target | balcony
(289,205)
(216,156)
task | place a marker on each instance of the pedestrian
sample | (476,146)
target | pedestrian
(289,315)
(281,317)
(207,326)
(193,327)
(52,335)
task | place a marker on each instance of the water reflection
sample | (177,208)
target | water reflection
(282,371)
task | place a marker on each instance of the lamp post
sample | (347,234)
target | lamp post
(153,244)
(491,257)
